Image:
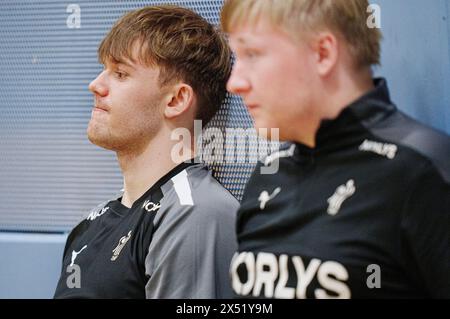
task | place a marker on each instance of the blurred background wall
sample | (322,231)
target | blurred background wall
(51,176)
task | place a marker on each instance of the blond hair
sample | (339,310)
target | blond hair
(181,43)
(302,17)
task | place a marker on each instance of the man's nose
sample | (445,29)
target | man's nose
(98,86)
(238,83)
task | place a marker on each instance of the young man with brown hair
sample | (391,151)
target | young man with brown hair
(360,206)
(171,233)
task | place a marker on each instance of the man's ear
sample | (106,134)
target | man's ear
(326,49)
(180,100)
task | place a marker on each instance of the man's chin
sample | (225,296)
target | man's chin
(100,140)
(267,131)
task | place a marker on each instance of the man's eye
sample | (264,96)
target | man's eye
(250,53)
(120,75)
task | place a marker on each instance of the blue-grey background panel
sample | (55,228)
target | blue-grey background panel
(50,175)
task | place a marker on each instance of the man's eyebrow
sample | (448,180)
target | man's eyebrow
(123,62)
(241,40)
(245,41)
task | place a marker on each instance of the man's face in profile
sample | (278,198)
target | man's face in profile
(128,109)
(274,74)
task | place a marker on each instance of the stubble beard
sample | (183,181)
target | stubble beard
(99,136)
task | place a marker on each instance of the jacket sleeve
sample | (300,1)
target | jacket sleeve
(191,250)
(426,233)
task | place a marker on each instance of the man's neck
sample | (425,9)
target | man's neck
(349,87)
(142,169)
(335,97)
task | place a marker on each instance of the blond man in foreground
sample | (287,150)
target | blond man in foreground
(360,206)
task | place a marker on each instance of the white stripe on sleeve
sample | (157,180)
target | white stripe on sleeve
(182,188)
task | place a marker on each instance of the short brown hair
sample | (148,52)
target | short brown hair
(182,44)
(297,17)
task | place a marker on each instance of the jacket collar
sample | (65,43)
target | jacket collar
(356,118)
